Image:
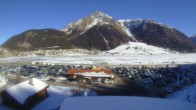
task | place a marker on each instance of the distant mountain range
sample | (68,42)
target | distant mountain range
(100,31)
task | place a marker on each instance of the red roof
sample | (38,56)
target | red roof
(73,71)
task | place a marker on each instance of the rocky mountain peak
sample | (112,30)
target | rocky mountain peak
(80,26)
(99,15)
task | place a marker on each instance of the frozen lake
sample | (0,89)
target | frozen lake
(108,59)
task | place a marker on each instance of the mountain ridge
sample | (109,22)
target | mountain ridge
(102,32)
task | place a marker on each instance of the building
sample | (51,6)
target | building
(91,76)
(25,95)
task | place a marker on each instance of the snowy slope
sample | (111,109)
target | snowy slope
(126,28)
(123,103)
(187,94)
(136,48)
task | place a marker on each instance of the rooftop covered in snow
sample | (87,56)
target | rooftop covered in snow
(23,90)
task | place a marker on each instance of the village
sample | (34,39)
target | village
(168,79)
(151,81)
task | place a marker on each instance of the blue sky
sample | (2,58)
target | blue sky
(17,16)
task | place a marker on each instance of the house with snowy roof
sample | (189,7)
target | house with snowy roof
(25,95)
(94,75)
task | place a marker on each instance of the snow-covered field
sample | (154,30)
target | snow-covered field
(132,53)
(137,48)
(187,94)
(123,103)
(153,59)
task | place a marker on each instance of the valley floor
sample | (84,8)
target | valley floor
(155,59)
(61,93)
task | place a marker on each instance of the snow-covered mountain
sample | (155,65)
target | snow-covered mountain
(94,19)
(137,48)
(83,24)
(158,34)
(99,31)
(136,23)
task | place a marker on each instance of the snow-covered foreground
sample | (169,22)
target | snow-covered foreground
(187,94)
(56,96)
(123,103)
(135,48)
(61,98)
(109,59)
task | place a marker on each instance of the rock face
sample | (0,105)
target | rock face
(97,31)
(101,32)
(103,37)
(157,34)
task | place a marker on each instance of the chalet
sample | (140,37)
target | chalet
(91,76)
(25,95)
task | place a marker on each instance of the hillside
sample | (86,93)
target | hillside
(36,38)
(158,34)
(4,52)
(133,48)
(99,31)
